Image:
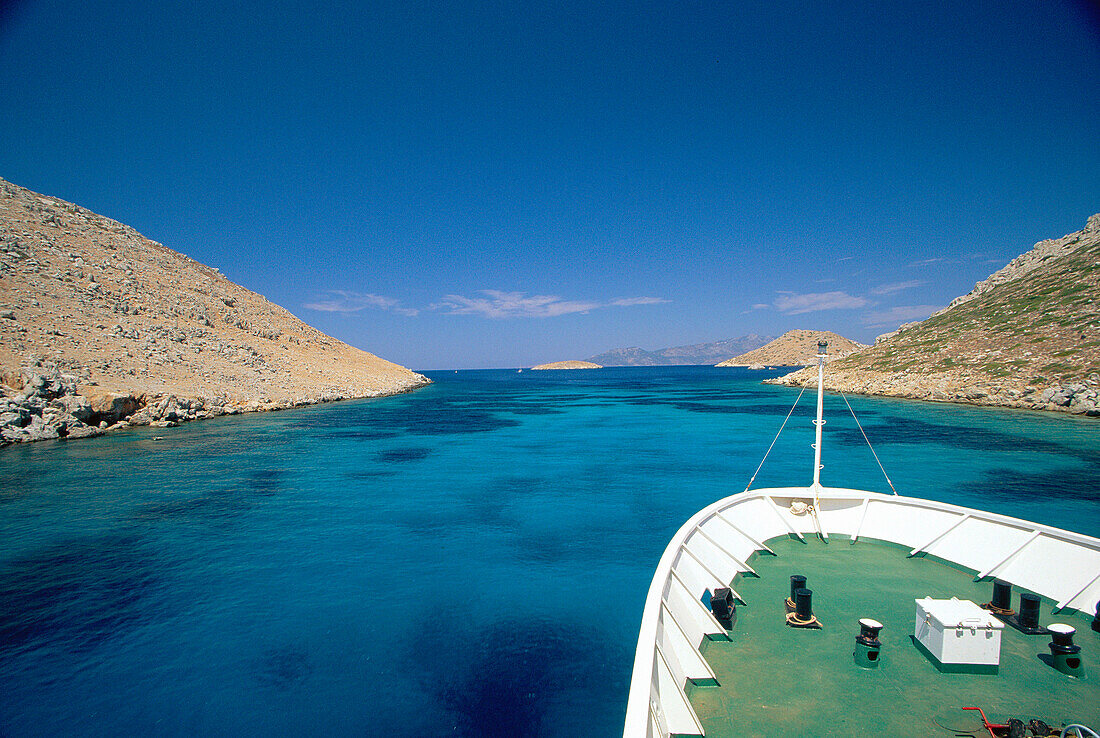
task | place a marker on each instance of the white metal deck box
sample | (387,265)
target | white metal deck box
(958,632)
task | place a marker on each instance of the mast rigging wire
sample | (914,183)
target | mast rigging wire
(865,438)
(777,438)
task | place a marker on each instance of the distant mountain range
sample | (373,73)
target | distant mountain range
(699,353)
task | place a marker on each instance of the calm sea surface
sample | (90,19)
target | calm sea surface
(470,559)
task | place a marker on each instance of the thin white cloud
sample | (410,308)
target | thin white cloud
(844,258)
(760,306)
(500,304)
(899,314)
(628,301)
(892,287)
(343,301)
(926,262)
(794,304)
(983,257)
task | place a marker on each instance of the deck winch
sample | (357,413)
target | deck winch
(867,643)
(1066,655)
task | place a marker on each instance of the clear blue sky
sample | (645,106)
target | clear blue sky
(453,184)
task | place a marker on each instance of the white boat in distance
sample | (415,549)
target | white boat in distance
(713,550)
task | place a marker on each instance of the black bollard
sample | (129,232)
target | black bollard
(797,582)
(1002,594)
(1029,610)
(803,606)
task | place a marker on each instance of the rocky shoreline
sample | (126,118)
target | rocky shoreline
(1077,398)
(50,405)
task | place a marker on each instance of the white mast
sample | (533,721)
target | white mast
(822,346)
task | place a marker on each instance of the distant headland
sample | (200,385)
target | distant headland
(567,365)
(795,348)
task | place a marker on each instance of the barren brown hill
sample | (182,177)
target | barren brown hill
(91,309)
(1028,336)
(571,364)
(795,348)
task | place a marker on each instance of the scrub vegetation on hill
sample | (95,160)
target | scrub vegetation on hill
(1028,336)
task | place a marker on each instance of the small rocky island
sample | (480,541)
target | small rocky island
(1028,336)
(567,365)
(102,328)
(794,348)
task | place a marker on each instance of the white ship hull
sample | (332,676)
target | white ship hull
(712,548)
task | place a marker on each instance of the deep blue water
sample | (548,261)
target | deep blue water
(470,559)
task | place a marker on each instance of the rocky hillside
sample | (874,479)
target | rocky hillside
(698,353)
(102,327)
(568,365)
(795,348)
(1028,336)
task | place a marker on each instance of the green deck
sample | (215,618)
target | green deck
(777,680)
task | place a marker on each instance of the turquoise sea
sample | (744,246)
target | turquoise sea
(470,559)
